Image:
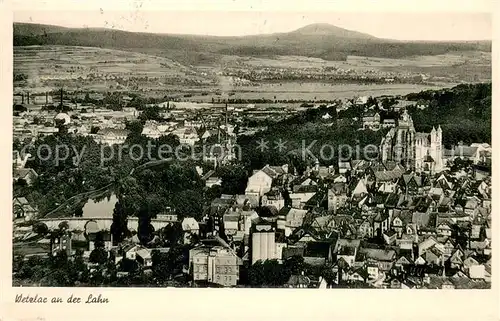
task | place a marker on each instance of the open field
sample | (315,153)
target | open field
(96,69)
(475,57)
(53,66)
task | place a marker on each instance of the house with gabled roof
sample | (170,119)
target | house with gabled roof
(456,259)
(298,281)
(427,244)
(403,261)
(360,189)
(471,206)
(26,174)
(433,255)
(400,219)
(420,260)
(190,227)
(337,197)
(111,136)
(405,242)
(294,218)
(347,249)
(357,275)
(412,183)
(384,258)
(365,229)
(371,120)
(324,223)
(444,230)
(449,247)
(390,237)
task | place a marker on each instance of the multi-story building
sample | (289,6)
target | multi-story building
(264,243)
(215,264)
(111,136)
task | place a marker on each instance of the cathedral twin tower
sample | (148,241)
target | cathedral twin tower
(415,151)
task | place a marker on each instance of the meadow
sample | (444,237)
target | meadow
(101,70)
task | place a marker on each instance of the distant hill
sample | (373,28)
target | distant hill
(330,30)
(318,40)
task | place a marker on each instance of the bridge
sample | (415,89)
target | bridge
(104,223)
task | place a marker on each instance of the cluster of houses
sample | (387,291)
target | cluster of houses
(190,122)
(242,73)
(378,224)
(374,224)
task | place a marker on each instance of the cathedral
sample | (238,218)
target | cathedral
(415,151)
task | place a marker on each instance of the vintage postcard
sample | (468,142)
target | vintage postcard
(177,160)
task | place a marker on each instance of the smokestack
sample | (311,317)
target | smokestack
(61,97)
(22,98)
(46,98)
(28,97)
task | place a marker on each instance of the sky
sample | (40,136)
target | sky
(401,20)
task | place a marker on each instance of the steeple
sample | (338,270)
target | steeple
(433,129)
(439,129)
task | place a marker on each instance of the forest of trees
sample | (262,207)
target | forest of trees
(143,187)
(302,130)
(464,113)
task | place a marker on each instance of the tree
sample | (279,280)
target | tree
(61,125)
(295,264)
(188,203)
(40,228)
(119,228)
(135,127)
(79,211)
(151,113)
(274,272)
(94,129)
(234,179)
(99,240)
(63,226)
(145,230)
(59,260)
(98,255)
(172,234)
(327,274)
(268,273)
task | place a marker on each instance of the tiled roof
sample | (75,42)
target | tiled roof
(292,251)
(378,254)
(384,176)
(113,131)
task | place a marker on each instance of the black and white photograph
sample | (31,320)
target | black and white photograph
(322,149)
